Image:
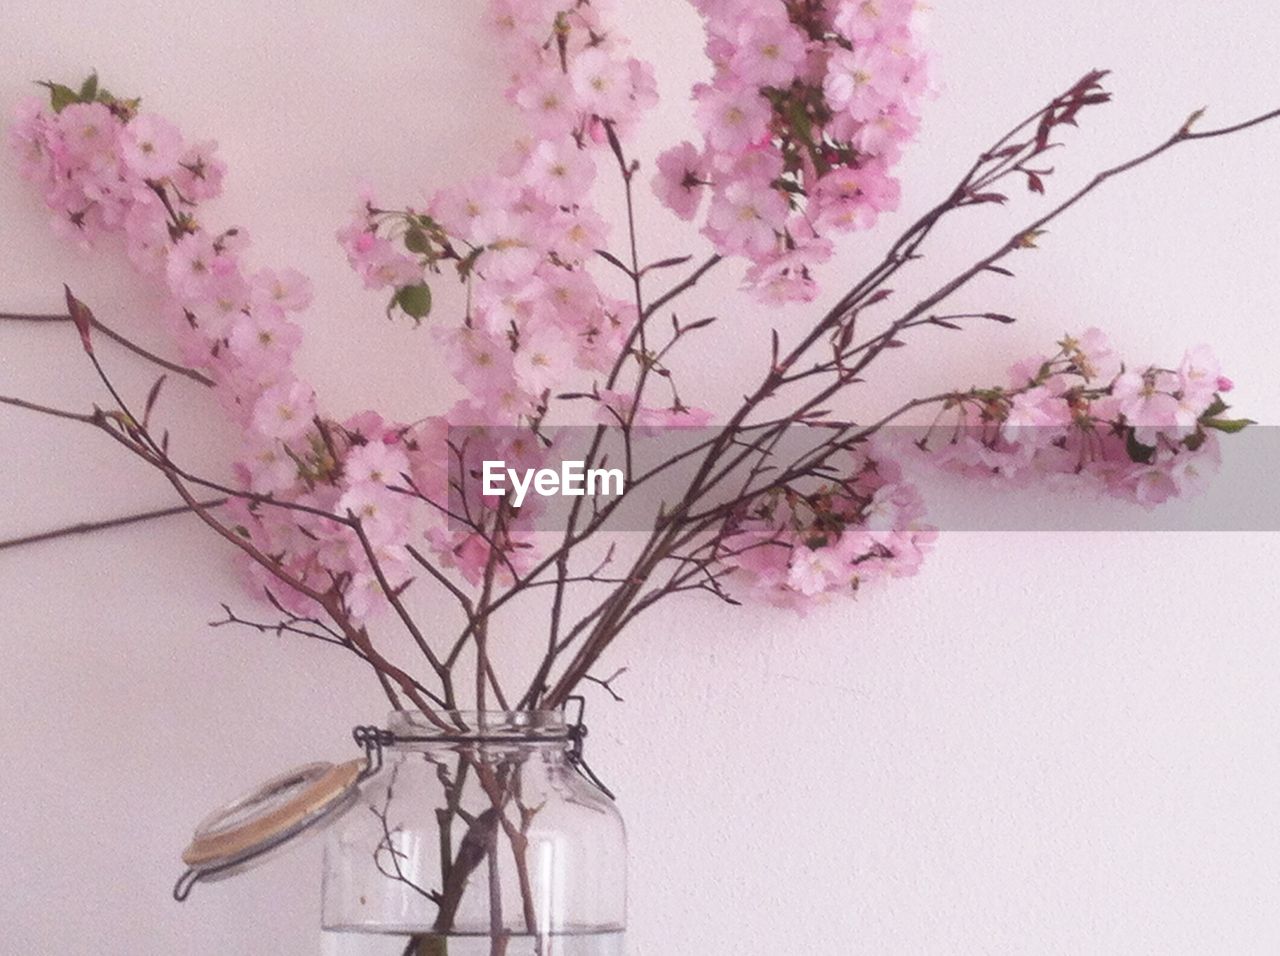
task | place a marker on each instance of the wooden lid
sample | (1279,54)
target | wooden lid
(282,805)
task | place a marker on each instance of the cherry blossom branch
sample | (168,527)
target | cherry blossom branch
(139,443)
(688,549)
(88,527)
(607,683)
(1188,133)
(684,285)
(308,627)
(1021,239)
(116,337)
(613,616)
(393,597)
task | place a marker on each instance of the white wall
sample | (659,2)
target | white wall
(1045,743)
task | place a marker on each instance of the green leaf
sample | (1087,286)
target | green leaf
(1228,425)
(89,88)
(60,97)
(1142,454)
(417,241)
(1215,409)
(415,301)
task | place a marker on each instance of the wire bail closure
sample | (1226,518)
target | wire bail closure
(244,831)
(373,740)
(578,737)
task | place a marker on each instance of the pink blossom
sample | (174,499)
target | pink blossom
(266,468)
(1198,377)
(745,217)
(469,553)
(479,360)
(547,99)
(865,81)
(151,146)
(200,173)
(871,528)
(863,20)
(516,20)
(1129,435)
(264,340)
(572,236)
(570,294)
(881,137)
(815,570)
(1148,404)
(644,88)
(380,510)
(853,198)
(285,411)
(769,51)
(459,208)
(287,289)
(543,359)
(147,234)
(734,117)
(867,90)
(561,172)
(1037,408)
(787,276)
(376,462)
(89,132)
(1092,353)
(601,83)
(29,135)
(195,266)
(681,179)
(379,263)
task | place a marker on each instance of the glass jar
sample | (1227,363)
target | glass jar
(478,840)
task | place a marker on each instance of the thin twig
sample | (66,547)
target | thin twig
(119,339)
(87,527)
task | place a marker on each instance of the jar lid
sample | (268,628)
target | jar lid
(270,815)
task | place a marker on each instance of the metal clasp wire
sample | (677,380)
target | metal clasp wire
(577,740)
(374,739)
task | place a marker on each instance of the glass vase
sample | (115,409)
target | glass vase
(479,839)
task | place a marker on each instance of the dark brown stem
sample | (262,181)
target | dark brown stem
(1228,130)
(119,339)
(48,410)
(393,597)
(88,527)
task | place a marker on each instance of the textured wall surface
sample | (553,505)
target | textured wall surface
(1044,744)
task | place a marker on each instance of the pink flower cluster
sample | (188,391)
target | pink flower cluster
(97,163)
(1142,434)
(104,169)
(806,114)
(523,235)
(798,549)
